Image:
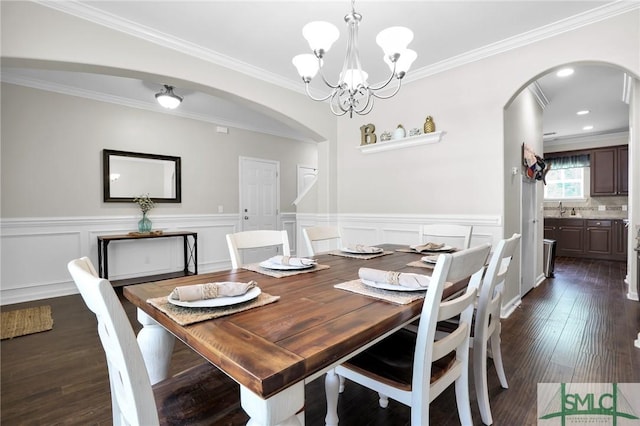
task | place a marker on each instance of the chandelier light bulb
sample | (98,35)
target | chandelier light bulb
(403,63)
(394,40)
(321,35)
(354,78)
(307,66)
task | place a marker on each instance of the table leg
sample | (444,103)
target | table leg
(156,345)
(281,409)
(332,388)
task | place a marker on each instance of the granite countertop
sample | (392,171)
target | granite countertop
(608,216)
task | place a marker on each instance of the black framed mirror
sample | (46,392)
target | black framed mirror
(126,175)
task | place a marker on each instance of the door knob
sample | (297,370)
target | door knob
(246,218)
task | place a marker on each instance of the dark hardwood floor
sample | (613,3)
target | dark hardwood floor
(576,327)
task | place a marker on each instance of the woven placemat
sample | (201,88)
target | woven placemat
(255,267)
(365,256)
(397,297)
(21,322)
(186,316)
(421,264)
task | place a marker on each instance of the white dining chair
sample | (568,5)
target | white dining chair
(458,236)
(414,368)
(314,234)
(487,323)
(199,395)
(255,239)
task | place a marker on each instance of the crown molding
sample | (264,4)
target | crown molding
(583,139)
(592,16)
(90,13)
(87,12)
(11,78)
(538,93)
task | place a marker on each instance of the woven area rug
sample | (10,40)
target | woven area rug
(25,321)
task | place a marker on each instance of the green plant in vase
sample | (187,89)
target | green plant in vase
(145,203)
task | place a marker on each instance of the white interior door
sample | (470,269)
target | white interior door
(529,237)
(259,201)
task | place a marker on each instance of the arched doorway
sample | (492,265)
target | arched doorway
(523,122)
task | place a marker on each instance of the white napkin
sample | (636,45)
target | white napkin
(427,247)
(404,279)
(292,261)
(190,293)
(361,248)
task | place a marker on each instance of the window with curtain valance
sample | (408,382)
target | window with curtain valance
(567,178)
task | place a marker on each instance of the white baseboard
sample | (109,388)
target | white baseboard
(509,307)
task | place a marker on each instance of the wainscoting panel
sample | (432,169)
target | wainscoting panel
(35,252)
(288,223)
(37,258)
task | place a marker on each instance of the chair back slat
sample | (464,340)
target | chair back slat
(458,236)
(320,233)
(255,239)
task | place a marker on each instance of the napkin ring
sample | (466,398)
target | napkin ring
(393,277)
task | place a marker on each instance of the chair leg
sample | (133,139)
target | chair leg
(383,401)
(462,398)
(497,358)
(480,378)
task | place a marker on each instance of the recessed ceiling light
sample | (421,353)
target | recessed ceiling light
(587,128)
(583,112)
(564,72)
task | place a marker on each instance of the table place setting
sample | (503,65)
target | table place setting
(360,251)
(428,248)
(428,262)
(200,302)
(396,287)
(285,266)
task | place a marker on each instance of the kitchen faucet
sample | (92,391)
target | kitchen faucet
(562,211)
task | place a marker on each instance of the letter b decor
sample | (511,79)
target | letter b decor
(367,135)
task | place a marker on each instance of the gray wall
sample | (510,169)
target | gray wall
(52,153)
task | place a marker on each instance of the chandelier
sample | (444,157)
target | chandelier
(352,93)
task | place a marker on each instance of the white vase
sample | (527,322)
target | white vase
(399,133)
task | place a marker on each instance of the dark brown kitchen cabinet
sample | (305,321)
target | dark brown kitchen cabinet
(550,226)
(570,233)
(598,235)
(623,170)
(588,238)
(610,171)
(620,240)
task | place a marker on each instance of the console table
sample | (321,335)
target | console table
(190,246)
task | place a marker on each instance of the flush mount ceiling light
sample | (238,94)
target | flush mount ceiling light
(587,128)
(352,93)
(565,72)
(167,98)
(583,112)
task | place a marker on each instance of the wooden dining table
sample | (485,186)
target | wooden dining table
(273,350)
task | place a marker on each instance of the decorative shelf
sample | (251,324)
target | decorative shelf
(423,139)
